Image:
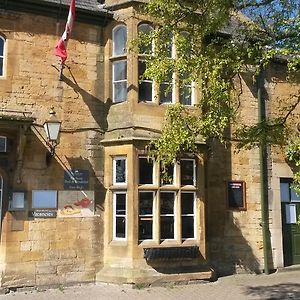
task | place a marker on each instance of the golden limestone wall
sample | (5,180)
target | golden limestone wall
(38,251)
(235,237)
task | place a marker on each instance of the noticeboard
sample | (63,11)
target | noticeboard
(236,195)
(76,179)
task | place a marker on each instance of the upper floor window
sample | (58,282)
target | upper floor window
(119,40)
(119,170)
(146,86)
(119,64)
(2,48)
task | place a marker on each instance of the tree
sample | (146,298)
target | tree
(216,41)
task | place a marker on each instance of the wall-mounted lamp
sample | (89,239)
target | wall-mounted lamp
(52,128)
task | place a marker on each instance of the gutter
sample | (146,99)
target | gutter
(263,158)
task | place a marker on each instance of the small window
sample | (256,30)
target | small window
(145,170)
(146,215)
(145,84)
(188,172)
(119,40)
(186,91)
(167,215)
(166,90)
(3,144)
(119,81)
(2,49)
(120,216)
(119,170)
(44,199)
(188,215)
(167,176)
(145,29)
(287,192)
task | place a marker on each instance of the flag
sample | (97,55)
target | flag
(61,46)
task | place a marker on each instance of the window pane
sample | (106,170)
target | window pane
(146,203)
(145,171)
(1,66)
(145,229)
(120,227)
(165,93)
(120,170)
(168,176)
(166,228)
(145,29)
(185,95)
(285,191)
(145,91)
(167,203)
(187,172)
(187,225)
(120,91)
(121,204)
(187,203)
(1,46)
(120,70)
(119,40)
(294,196)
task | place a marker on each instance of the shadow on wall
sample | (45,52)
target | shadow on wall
(97,107)
(276,291)
(229,250)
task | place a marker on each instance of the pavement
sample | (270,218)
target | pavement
(280,285)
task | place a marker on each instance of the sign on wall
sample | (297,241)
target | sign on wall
(76,179)
(75,204)
(236,195)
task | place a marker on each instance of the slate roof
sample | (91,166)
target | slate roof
(91,5)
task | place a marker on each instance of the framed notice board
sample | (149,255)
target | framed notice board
(236,195)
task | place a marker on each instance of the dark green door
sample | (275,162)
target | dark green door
(290,207)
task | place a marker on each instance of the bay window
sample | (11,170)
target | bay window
(167,211)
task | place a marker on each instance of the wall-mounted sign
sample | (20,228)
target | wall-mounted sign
(75,204)
(236,195)
(76,179)
(42,214)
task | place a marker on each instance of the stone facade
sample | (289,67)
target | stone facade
(95,131)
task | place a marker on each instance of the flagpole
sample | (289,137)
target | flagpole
(61,68)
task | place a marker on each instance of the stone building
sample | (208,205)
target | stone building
(95,208)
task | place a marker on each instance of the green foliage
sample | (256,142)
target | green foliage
(215,41)
(178,135)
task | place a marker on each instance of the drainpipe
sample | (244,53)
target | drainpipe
(263,157)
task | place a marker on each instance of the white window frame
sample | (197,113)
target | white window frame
(147,81)
(5,138)
(174,215)
(114,39)
(3,56)
(194,171)
(148,215)
(118,81)
(189,215)
(154,177)
(115,216)
(115,158)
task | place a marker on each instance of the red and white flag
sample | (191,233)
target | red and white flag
(61,46)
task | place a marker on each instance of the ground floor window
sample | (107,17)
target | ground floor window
(119,215)
(167,209)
